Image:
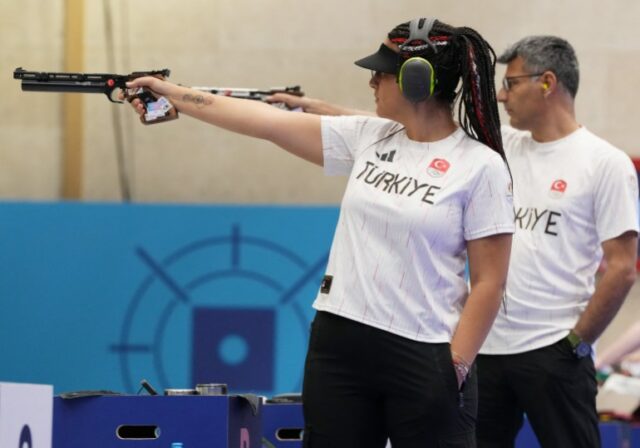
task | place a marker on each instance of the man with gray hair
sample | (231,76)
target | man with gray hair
(576,200)
(576,203)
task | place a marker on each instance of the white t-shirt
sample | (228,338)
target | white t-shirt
(570,195)
(398,257)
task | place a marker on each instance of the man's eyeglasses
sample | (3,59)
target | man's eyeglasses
(507,81)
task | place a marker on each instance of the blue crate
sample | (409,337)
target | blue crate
(121,421)
(282,425)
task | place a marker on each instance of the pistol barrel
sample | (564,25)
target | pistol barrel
(63,86)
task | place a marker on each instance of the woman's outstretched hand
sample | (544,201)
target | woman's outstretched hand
(149,96)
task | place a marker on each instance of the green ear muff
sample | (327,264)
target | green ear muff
(416,79)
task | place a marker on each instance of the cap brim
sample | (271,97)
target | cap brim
(384,60)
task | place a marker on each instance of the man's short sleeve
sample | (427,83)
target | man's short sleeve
(616,197)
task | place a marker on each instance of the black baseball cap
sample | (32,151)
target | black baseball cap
(385,60)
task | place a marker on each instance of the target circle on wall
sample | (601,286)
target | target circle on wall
(229,309)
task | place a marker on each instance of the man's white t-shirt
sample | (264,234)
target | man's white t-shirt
(398,257)
(570,196)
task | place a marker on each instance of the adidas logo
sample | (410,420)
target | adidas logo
(387,156)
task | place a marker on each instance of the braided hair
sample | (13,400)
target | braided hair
(460,55)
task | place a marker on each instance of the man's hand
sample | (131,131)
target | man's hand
(314,105)
(296,102)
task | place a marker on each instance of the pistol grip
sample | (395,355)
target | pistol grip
(158,108)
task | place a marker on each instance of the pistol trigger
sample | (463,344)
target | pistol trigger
(110,96)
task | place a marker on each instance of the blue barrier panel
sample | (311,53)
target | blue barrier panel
(612,435)
(99,296)
(635,436)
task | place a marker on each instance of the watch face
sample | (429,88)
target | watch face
(583,349)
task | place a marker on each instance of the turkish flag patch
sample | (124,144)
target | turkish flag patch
(438,167)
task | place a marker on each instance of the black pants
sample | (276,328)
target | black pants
(555,389)
(363,385)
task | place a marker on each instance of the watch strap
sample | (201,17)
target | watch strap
(574,339)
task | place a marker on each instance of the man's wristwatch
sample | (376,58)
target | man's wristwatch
(580,348)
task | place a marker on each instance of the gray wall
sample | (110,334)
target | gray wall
(253,43)
(249,43)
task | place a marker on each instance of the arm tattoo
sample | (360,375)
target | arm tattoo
(199,100)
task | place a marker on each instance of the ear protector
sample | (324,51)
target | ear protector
(545,85)
(416,79)
(416,76)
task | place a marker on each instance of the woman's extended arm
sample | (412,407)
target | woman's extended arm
(297,133)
